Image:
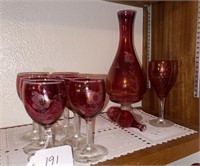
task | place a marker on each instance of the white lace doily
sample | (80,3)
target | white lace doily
(117,140)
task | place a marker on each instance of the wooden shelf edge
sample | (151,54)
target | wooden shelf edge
(160,154)
(133,3)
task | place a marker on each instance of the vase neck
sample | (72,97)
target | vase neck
(126,20)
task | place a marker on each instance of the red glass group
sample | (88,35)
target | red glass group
(46,97)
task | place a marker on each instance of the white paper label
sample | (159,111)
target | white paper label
(58,156)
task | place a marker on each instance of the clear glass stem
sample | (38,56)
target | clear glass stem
(49,139)
(90,139)
(41,135)
(66,118)
(161,109)
(127,107)
(76,125)
(35,131)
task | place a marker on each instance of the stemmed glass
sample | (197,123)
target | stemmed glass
(162,75)
(64,129)
(39,139)
(31,135)
(87,96)
(77,138)
(44,101)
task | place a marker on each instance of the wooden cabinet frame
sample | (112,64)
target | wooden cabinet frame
(174,30)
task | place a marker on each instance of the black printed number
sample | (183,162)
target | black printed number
(51,160)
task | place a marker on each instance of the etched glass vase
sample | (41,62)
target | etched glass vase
(125,82)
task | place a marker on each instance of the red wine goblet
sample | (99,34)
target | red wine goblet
(87,97)
(162,75)
(30,135)
(44,101)
(38,140)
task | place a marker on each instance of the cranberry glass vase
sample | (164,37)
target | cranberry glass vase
(125,82)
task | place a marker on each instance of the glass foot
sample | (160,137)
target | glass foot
(74,141)
(161,123)
(32,147)
(90,154)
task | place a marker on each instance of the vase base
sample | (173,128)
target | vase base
(130,108)
(164,123)
(123,98)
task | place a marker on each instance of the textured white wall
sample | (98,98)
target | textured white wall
(55,35)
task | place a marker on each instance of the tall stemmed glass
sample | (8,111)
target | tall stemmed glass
(31,135)
(162,75)
(87,97)
(45,101)
(39,140)
(77,138)
(64,129)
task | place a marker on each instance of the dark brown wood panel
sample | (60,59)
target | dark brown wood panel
(174,25)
